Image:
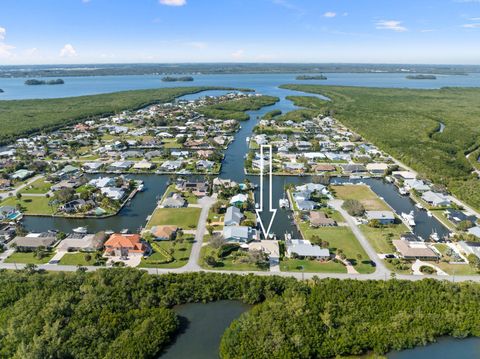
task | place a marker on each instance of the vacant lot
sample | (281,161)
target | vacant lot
(363,194)
(186,218)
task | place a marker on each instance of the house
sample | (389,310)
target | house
(305,205)
(65,184)
(239,234)
(21,174)
(239,199)
(470,248)
(113,193)
(436,199)
(456,217)
(383,217)
(83,243)
(33,241)
(73,206)
(305,249)
(320,219)
(417,185)
(404,175)
(294,166)
(171,165)
(143,165)
(475,231)
(92,166)
(414,250)
(163,233)
(233,216)
(8,213)
(174,201)
(324,168)
(268,247)
(377,168)
(5,183)
(121,165)
(102,182)
(67,171)
(124,245)
(7,232)
(199,188)
(205,164)
(353,168)
(312,187)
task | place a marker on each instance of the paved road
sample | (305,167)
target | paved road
(192,265)
(13,192)
(380,268)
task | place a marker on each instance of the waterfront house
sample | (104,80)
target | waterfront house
(143,165)
(198,188)
(294,166)
(239,199)
(383,217)
(174,201)
(456,217)
(92,166)
(414,250)
(102,182)
(353,168)
(305,249)
(32,241)
(470,248)
(171,165)
(164,233)
(269,247)
(121,165)
(8,213)
(475,231)
(377,168)
(204,164)
(239,234)
(124,245)
(83,243)
(436,199)
(113,193)
(324,168)
(320,219)
(417,185)
(233,216)
(305,205)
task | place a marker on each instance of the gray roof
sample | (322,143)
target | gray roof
(306,249)
(380,215)
(232,216)
(35,242)
(238,233)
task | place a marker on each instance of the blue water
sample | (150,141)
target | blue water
(15,88)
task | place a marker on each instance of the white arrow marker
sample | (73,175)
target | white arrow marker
(270,208)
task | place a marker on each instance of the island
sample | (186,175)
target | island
(312,77)
(35,82)
(421,77)
(177,79)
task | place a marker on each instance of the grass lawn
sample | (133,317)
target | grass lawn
(28,258)
(186,218)
(343,238)
(333,214)
(77,259)
(456,269)
(172,143)
(214,217)
(363,194)
(181,253)
(37,187)
(227,263)
(378,236)
(31,205)
(294,265)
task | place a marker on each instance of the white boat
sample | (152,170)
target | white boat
(80,230)
(283,203)
(409,218)
(429,214)
(257,206)
(434,237)
(402,191)
(418,205)
(124,231)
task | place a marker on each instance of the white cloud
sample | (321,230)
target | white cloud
(471,26)
(239,54)
(31,52)
(330,14)
(5,50)
(3,32)
(68,51)
(392,25)
(173,2)
(198,44)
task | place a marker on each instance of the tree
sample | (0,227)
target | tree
(210,229)
(353,207)
(19,196)
(216,241)
(88,257)
(211,261)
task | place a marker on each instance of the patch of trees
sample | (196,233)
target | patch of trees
(235,109)
(421,77)
(353,207)
(311,77)
(175,79)
(35,82)
(343,318)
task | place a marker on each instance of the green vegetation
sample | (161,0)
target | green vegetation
(406,123)
(421,77)
(312,266)
(339,240)
(168,254)
(341,318)
(311,77)
(381,238)
(31,205)
(186,218)
(175,79)
(235,109)
(24,117)
(82,259)
(40,186)
(43,82)
(30,257)
(230,257)
(362,194)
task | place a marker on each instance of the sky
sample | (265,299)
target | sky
(308,31)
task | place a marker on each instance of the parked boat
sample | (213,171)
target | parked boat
(434,237)
(429,214)
(283,203)
(80,230)
(418,205)
(402,191)
(409,218)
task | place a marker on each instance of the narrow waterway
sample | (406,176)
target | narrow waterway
(201,329)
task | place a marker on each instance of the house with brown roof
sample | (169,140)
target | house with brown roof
(324,168)
(164,233)
(414,250)
(320,219)
(124,245)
